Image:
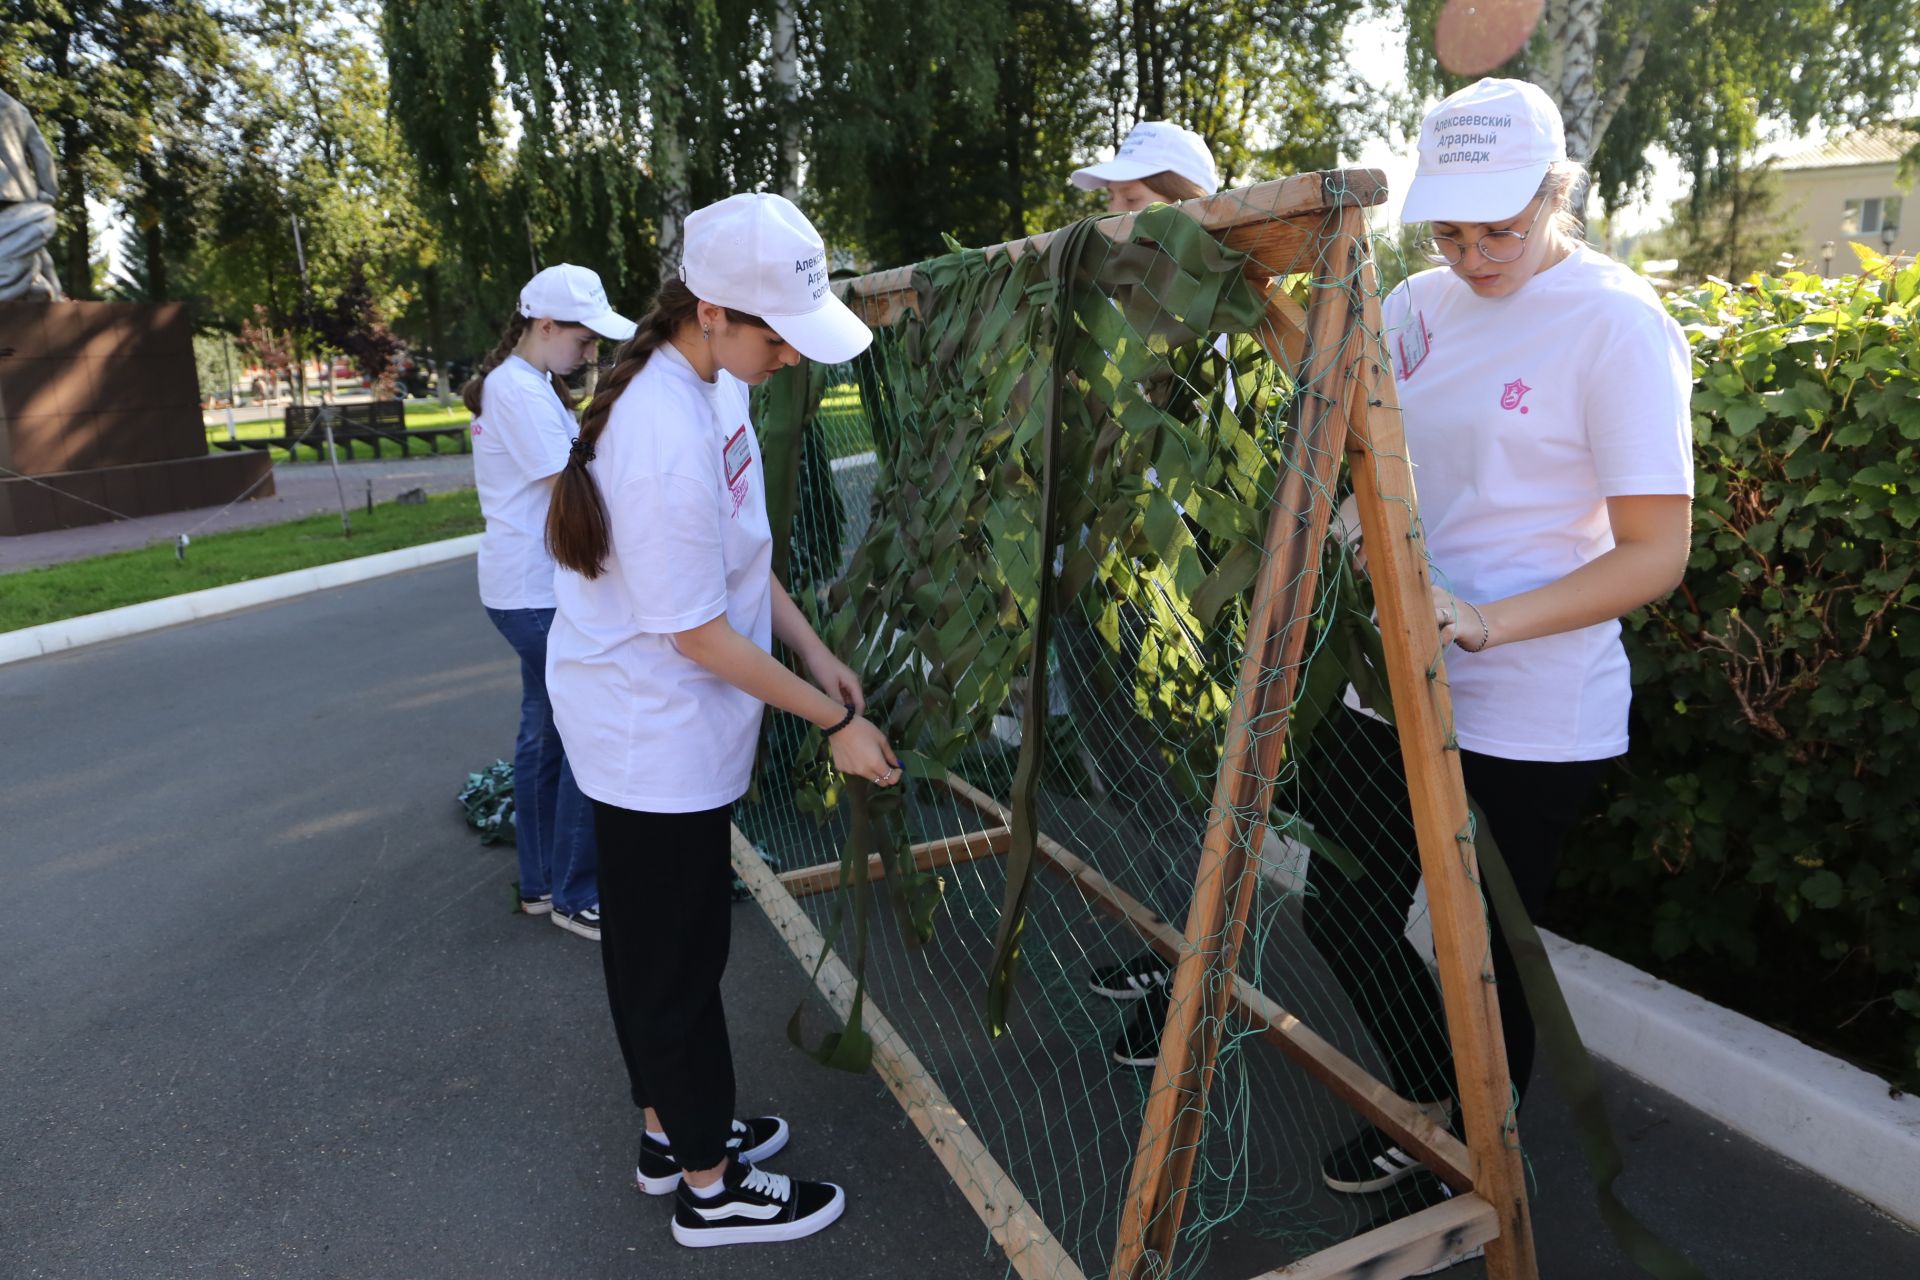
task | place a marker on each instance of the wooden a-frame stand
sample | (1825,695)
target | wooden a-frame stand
(1335,348)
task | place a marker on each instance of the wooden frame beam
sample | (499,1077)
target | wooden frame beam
(1423,716)
(1275,222)
(1347,405)
(1407,1124)
(1031,1248)
(945,852)
(1243,788)
(1405,1246)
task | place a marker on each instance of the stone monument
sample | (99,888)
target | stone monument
(28,186)
(99,401)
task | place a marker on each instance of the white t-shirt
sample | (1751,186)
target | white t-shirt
(520,443)
(645,727)
(1524,414)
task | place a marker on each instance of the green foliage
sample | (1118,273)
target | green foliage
(977,140)
(1732,233)
(941,605)
(1765,816)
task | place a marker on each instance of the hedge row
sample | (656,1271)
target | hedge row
(1764,835)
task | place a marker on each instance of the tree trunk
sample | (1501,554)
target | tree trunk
(670,171)
(786,79)
(76,241)
(153,235)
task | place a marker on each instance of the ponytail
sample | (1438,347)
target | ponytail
(516,329)
(578,537)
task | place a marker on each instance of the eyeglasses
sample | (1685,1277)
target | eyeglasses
(1495,246)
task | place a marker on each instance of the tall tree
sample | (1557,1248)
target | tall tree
(1699,79)
(1737,230)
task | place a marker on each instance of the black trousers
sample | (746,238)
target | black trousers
(666,921)
(1357,796)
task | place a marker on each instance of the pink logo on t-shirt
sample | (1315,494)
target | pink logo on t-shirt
(738,456)
(1511,394)
(1415,342)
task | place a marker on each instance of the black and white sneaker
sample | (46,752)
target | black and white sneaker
(1371,1162)
(755,1207)
(1139,1042)
(537,906)
(657,1173)
(1423,1192)
(1133,979)
(585,922)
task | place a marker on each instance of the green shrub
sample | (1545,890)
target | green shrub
(1769,813)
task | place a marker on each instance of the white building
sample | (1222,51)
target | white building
(1844,189)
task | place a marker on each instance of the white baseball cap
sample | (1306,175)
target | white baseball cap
(758,254)
(1484,152)
(570,293)
(1154,146)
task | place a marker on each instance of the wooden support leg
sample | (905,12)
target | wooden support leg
(1175,1118)
(1423,712)
(1031,1249)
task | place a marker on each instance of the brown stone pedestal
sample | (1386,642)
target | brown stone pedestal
(100,418)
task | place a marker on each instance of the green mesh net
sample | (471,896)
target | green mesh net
(1033,517)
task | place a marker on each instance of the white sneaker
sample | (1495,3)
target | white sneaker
(755,1207)
(585,922)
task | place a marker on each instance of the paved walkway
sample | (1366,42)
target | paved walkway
(300,489)
(268,1012)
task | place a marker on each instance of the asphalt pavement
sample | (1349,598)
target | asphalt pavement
(268,1011)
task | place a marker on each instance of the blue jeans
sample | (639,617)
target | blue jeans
(553,822)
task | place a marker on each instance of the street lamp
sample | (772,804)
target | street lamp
(1888,234)
(1826,259)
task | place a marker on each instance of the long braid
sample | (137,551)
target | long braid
(509,339)
(577,533)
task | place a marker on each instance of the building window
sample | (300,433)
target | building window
(1866,216)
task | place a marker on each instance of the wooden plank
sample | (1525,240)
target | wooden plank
(1404,1247)
(1346,1079)
(1423,711)
(1274,221)
(1280,246)
(1243,789)
(946,852)
(1283,332)
(1031,1249)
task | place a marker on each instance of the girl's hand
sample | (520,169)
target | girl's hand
(861,750)
(1459,621)
(837,680)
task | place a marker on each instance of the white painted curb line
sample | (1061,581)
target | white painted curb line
(1814,1109)
(111,624)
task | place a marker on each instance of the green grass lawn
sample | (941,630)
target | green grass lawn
(420,413)
(34,596)
(842,422)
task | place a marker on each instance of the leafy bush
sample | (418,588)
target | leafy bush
(1767,814)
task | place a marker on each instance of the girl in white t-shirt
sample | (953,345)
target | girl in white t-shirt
(1545,395)
(522,421)
(659,667)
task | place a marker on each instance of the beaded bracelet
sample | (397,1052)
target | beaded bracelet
(844,721)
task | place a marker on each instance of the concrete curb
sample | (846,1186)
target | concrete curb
(112,624)
(1817,1111)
